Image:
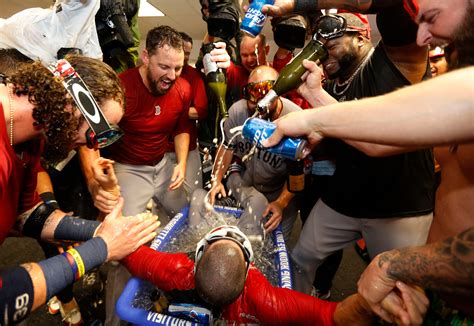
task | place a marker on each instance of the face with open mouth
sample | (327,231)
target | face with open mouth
(163,67)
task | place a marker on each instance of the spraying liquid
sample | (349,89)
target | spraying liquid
(256,53)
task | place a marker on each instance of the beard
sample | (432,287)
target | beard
(344,63)
(463,41)
(154,88)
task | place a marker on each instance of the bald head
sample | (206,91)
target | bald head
(261,73)
(221,272)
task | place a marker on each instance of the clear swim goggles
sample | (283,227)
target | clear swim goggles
(227,232)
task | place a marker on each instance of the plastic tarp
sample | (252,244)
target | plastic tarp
(39,33)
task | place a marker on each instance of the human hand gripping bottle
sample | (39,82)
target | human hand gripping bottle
(290,75)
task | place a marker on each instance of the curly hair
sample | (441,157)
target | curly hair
(163,35)
(51,100)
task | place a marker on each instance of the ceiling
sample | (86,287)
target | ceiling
(183,15)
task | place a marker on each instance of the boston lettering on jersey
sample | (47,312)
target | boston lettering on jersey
(272,159)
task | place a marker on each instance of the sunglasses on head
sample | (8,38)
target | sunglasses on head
(227,232)
(254,92)
(333,26)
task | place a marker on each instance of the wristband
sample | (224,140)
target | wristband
(76,263)
(61,270)
(35,221)
(306,5)
(16,295)
(49,199)
(75,229)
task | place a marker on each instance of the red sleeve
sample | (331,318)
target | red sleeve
(165,270)
(275,305)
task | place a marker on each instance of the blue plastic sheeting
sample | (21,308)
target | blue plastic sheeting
(125,309)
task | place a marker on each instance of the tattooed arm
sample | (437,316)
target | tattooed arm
(445,267)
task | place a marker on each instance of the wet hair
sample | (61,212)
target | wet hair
(161,36)
(10,61)
(261,36)
(50,99)
(220,274)
(186,37)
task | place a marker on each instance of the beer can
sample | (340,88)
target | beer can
(256,130)
(191,312)
(254,18)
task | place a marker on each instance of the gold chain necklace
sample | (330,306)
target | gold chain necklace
(348,82)
(10,100)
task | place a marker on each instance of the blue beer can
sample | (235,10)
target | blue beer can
(191,312)
(254,19)
(256,130)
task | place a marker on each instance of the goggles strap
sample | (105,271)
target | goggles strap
(83,98)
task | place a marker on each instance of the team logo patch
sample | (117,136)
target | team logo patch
(157,110)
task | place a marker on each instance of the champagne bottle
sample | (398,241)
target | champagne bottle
(296,176)
(290,75)
(216,80)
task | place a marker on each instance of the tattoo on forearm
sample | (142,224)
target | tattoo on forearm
(446,266)
(387,256)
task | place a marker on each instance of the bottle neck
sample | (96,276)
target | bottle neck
(264,104)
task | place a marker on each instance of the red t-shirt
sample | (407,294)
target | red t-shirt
(150,121)
(17,178)
(198,100)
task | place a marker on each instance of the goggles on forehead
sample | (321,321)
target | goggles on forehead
(100,134)
(254,92)
(412,8)
(227,232)
(333,26)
